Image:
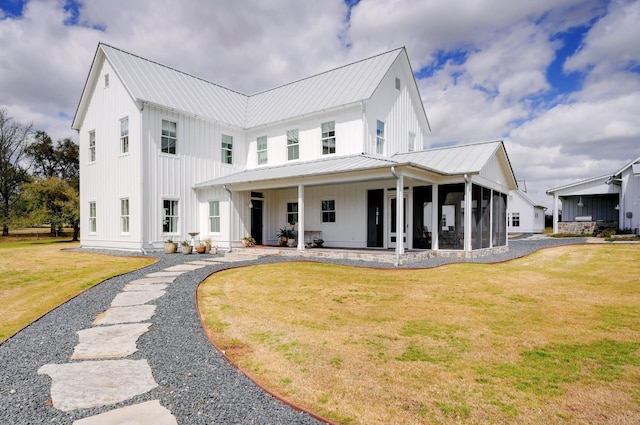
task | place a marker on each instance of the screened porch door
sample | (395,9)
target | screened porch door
(393,231)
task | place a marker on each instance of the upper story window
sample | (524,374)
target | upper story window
(124,135)
(124,215)
(397,83)
(227,149)
(106,80)
(92,217)
(169,136)
(329,211)
(328,137)
(92,146)
(412,142)
(380,137)
(262,150)
(214,216)
(170,222)
(293,145)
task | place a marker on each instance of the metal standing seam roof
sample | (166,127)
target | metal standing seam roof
(158,84)
(454,160)
(318,167)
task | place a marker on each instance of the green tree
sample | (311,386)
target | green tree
(57,171)
(14,139)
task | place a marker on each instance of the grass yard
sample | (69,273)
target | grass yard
(37,276)
(550,338)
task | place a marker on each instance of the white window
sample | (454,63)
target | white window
(92,217)
(412,141)
(124,215)
(328,137)
(292,212)
(262,150)
(515,219)
(170,222)
(92,146)
(227,149)
(329,211)
(214,216)
(124,135)
(293,145)
(380,137)
(106,80)
(169,136)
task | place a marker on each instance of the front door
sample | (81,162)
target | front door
(256,220)
(375,218)
(394,233)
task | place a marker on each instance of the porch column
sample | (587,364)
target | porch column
(556,206)
(400,224)
(435,222)
(300,217)
(468,213)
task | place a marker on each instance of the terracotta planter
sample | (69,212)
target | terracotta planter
(201,249)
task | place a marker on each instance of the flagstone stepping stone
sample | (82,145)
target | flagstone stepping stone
(172,274)
(183,268)
(166,279)
(96,383)
(109,341)
(128,314)
(135,298)
(148,413)
(201,263)
(145,287)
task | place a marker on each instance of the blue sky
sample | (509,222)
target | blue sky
(557,80)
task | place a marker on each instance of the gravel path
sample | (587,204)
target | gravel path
(195,382)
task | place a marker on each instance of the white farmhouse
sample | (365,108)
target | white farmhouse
(164,154)
(525,216)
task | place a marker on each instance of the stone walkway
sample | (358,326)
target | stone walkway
(98,372)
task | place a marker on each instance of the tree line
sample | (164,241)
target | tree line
(39,179)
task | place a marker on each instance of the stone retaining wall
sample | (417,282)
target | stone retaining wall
(576,227)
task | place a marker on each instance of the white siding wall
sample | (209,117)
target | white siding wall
(198,158)
(396,109)
(630,201)
(348,137)
(113,175)
(529,223)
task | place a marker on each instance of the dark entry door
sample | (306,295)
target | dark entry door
(256,220)
(375,217)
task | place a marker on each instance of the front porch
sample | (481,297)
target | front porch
(366,255)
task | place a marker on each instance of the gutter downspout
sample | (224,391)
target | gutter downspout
(144,229)
(467,216)
(230,216)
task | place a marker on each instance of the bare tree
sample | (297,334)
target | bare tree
(14,138)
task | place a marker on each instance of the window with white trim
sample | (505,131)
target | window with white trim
(515,219)
(397,83)
(170,219)
(328,137)
(124,135)
(379,137)
(214,216)
(262,150)
(227,149)
(292,212)
(329,211)
(293,145)
(92,218)
(124,215)
(92,146)
(412,141)
(106,80)
(169,136)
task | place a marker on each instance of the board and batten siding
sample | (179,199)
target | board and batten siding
(397,110)
(113,176)
(348,137)
(172,177)
(630,201)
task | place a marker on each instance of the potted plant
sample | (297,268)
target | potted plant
(207,243)
(170,247)
(283,236)
(186,247)
(248,241)
(201,249)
